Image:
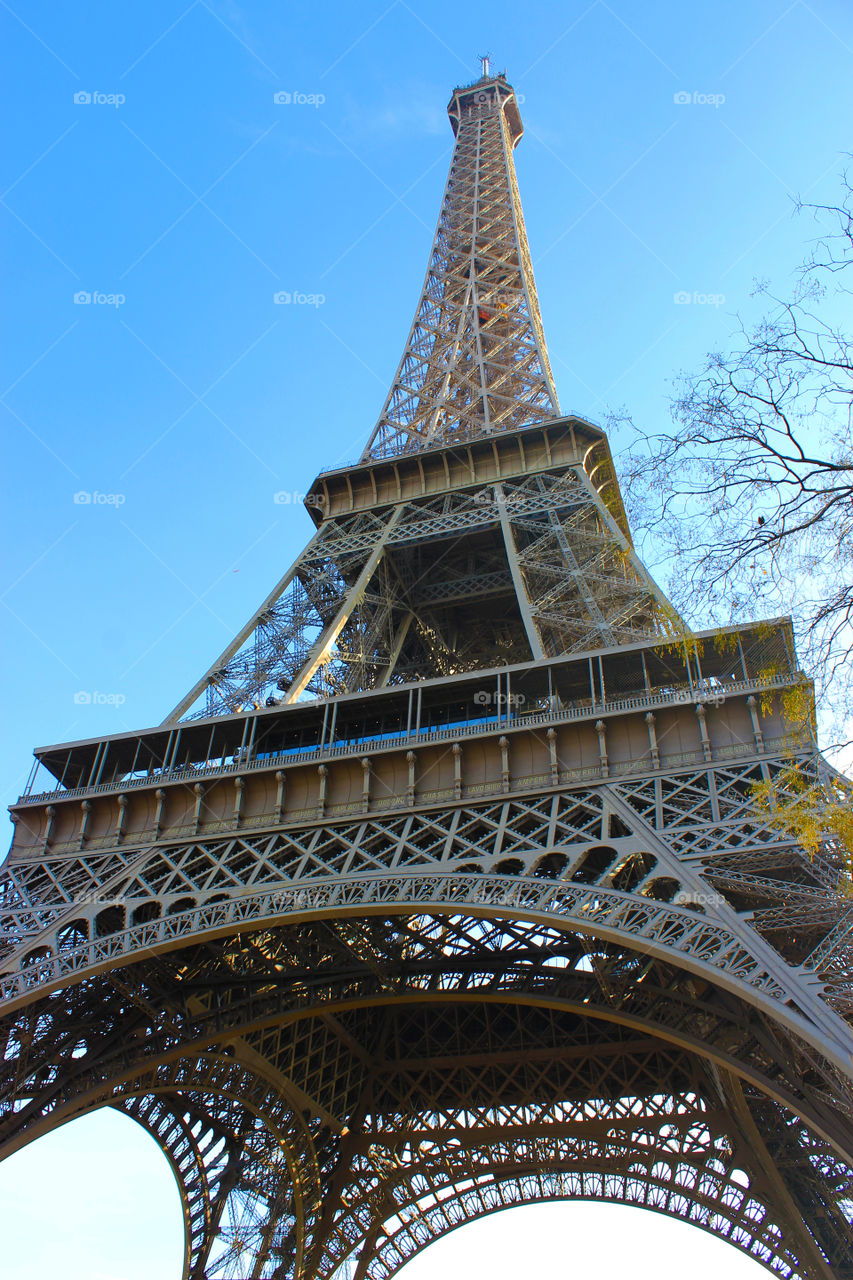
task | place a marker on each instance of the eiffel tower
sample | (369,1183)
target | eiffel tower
(445,888)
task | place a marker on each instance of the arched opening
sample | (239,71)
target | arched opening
(632,870)
(509,867)
(181,904)
(594,864)
(110,920)
(663,889)
(73,933)
(96,1197)
(608,1241)
(115,1211)
(148,911)
(551,866)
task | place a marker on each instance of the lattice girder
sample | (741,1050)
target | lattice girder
(376,596)
(220,880)
(495,1107)
(475,361)
(369,960)
(347,615)
(579,931)
(205,1156)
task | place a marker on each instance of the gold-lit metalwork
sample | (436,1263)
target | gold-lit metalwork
(446,889)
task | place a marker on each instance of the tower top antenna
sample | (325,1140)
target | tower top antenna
(485,60)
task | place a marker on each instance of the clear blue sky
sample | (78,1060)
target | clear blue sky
(197,198)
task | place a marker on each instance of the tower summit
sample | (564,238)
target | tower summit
(445,888)
(475,361)
(464,538)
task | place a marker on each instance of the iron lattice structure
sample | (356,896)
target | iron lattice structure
(446,888)
(476,359)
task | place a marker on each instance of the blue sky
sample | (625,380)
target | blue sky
(185,197)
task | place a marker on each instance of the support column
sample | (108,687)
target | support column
(703,730)
(160,795)
(239,788)
(322,646)
(601,730)
(551,735)
(198,792)
(653,738)
(122,816)
(503,743)
(752,703)
(86,807)
(517,576)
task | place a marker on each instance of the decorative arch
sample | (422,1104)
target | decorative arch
(522,1022)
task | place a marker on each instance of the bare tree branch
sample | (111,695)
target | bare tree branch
(747,500)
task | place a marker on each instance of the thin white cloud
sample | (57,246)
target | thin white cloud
(410,112)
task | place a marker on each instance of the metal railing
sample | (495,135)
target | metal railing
(472,792)
(391,741)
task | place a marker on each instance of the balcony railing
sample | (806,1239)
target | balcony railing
(392,741)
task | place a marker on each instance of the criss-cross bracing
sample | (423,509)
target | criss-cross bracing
(455,500)
(462,879)
(528,528)
(476,360)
